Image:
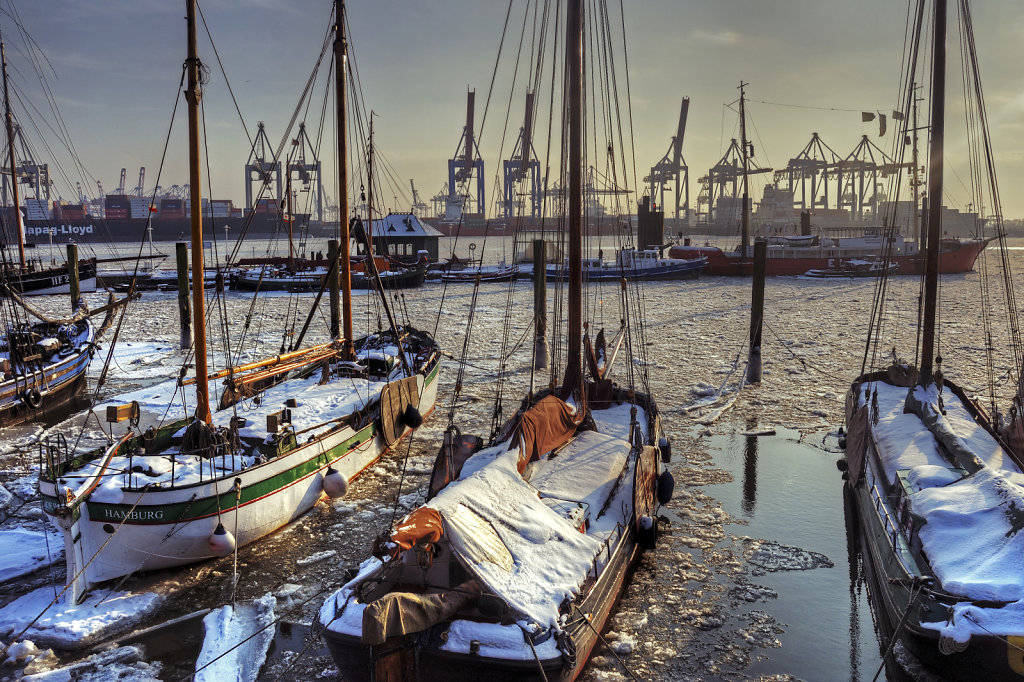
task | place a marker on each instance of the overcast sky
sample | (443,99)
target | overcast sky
(812,67)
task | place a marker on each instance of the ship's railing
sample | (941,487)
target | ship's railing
(897,541)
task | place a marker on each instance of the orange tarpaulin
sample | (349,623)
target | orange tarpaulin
(544,427)
(422,526)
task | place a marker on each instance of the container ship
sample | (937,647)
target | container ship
(127,218)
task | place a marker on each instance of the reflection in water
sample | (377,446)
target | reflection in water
(856,580)
(750,471)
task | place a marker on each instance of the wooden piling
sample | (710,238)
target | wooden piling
(73,282)
(540,300)
(757,312)
(184,308)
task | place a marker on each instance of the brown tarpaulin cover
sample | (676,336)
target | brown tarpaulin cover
(544,427)
(857,443)
(421,526)
(401,613)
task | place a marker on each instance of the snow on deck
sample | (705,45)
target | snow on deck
(584,471)
(972,535)
(550,558)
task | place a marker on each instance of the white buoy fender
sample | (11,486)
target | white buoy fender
(666,486)
(666,449)
(221,542)
(412,417)
(335,483)
(647,534)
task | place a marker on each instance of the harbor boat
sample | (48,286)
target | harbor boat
(956,255)
(854,267)
(484,273)
(512,567)
(43,365)
(935,479)
(287,429)
(648,265)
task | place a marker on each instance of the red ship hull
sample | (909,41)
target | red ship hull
(955,256)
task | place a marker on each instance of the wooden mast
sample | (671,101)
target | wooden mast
(344,258)
(14,174)
(938,129)
(192,95)
(745,211)
(574,68)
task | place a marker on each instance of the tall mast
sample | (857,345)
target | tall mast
(340,78)
(10,146)
(915,180)
(574,68)
(745,211)
(938,130)
(192,95)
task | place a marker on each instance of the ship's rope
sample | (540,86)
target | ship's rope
(71,581)
(899,626)
(597,632)
(81,313)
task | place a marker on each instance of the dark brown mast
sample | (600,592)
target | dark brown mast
(344,262)
(938,130)
(14,174)
(193,94)
(574,69)
(745,211)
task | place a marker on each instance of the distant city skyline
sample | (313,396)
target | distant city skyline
(812,68)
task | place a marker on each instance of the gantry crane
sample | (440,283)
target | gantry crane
(261,168)
(673,169)
(465,169)
(522,167)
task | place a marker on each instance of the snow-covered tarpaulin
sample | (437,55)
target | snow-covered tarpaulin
(512,542)
(972,533)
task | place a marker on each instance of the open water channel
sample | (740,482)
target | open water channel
(755,577)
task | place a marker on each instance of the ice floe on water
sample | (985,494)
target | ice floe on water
(35,616)
(24,550)
(236,639)
(125,664)
(770,556)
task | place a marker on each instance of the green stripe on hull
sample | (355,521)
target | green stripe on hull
(182,512)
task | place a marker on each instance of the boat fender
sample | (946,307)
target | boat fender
(412,417)
(221,543)
(647,534)
(666,449)
(666,486)
(335,483)
(842,465)
(32,398)
(842,439)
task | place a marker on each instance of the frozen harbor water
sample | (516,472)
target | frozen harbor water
(755,576)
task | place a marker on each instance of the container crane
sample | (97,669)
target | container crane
(120,186)
(673,168)
(418,206)
(142,182)
(465,168)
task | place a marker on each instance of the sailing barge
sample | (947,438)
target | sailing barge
(512,567)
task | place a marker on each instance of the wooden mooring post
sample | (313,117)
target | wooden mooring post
(73,282)
(184,308)
(757,312)
(540,301)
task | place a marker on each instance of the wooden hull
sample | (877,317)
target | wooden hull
(896,579)
(49,391)
(157,528)
(358,662)
(52,281)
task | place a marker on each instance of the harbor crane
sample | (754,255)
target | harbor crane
(673,169)
(523,167)
(261,168)
(306,171)
(465,169)
(120,185)
(138,191)
(28,172)
(723,182)
(418,205)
